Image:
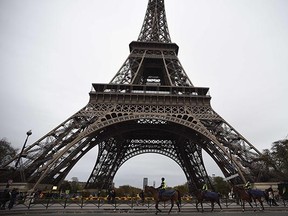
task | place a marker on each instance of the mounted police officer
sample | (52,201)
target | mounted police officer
(205,187)
(248,186)
(162,187)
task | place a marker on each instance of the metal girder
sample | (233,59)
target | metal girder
(196,125)
(134,141)
(148,58)
(155,27)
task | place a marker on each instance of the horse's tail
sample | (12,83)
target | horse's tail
(266,195)
(179,197)
(219,195)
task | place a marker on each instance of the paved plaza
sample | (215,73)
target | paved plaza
(234,210)
(97,207)
(148,213)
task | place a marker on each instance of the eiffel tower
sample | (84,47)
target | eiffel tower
(150,106)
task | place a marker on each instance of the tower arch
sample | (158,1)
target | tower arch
(152,166)
(123,137)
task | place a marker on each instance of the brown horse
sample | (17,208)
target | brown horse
(244,196)
(207,196)
(173,196)
(256,195)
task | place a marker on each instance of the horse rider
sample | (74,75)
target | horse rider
(162,187)
(205,188)
(248,186)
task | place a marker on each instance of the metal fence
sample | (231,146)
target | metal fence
(122,203)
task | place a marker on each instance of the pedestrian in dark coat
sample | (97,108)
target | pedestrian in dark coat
(13,198)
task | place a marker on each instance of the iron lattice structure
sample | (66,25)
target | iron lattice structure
(150,106)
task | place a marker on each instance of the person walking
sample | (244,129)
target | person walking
(13,198)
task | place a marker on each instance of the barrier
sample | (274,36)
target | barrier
(119,203)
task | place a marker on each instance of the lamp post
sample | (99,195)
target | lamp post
(20,155)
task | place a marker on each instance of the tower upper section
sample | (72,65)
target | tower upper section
(155,27)
(153,57)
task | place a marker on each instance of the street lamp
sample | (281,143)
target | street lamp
(20,155)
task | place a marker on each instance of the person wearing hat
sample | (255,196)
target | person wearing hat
(162,187)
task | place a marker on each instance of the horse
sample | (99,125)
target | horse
(257,195)
(207,196)
(244,196)
(172,195)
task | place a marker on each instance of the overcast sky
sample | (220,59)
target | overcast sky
(51,51)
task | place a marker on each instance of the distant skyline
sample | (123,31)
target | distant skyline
(51,51)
